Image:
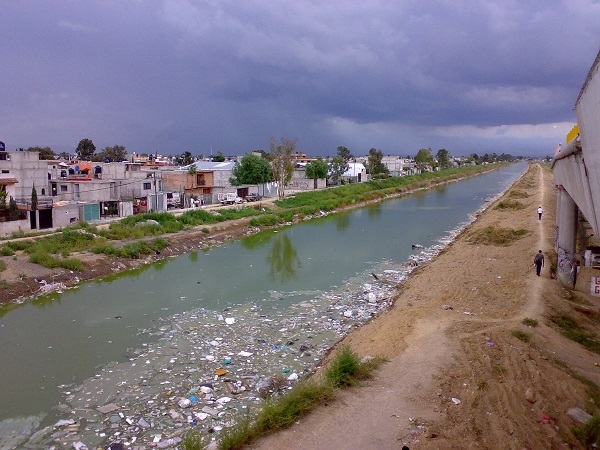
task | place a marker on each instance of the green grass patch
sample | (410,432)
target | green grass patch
(52,262)
(496,236)
(589,433)
(517,193)
(5,250)
(529,322)
(341,371)
(509,205)
(2,266)
(521,335)
(572,330)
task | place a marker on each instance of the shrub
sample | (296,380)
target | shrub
(521,335)
(5,250)
(264,220)
(509,204)
(529,322)
(72,264)
(342,369)
(588,434)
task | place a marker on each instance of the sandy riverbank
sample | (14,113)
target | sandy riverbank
(457,377)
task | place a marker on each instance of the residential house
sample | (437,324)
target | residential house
(399,166)
(356,173)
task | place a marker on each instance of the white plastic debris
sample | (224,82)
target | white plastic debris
(184,403)
(230,320)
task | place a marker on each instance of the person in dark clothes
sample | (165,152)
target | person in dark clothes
(538,262)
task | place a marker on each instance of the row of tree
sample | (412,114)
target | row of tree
(278,165)
(280,151)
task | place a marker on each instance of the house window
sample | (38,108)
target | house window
(63,188)
(76,190)
(43,191)
(5,171)
(147,186)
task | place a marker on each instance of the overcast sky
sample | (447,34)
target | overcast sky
(170,76)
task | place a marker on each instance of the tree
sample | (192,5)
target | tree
(116,153)
(185,159)
(344,153)
(64,155)
(13,209)
(443,158)
(2,200)
(337,168)
(85,149)
(424,158)
(317,169)
(375,164)
(282,162)
(251,169)
(34,199)
(219,157)
(45,152)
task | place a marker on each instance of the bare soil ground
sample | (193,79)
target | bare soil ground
(457,378)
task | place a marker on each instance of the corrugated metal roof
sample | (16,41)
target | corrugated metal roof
(210,165)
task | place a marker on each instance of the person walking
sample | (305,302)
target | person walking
(540,212)
(538,262)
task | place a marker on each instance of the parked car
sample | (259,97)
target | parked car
(253,198)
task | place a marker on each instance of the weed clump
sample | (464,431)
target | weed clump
(529,322)
(521,335)
(509,204)
(342,369)
(496,236)
(572,330)
(589,433)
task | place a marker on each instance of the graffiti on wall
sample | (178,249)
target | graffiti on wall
(301,185)
(595,286)
(565,268)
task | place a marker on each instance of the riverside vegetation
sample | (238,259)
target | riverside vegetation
(144,234)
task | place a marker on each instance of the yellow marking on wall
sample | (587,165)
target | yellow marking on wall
(573,133)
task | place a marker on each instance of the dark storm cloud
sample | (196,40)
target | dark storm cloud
(195,75)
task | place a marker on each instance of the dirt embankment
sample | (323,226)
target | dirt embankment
(457,377)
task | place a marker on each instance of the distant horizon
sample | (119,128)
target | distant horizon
(190,75)
(404,156)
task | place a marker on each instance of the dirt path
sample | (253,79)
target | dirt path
(457,377)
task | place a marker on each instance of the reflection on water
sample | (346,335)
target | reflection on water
(283,258)
(374,210)
(342,221)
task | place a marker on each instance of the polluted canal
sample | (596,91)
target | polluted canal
(194,341)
